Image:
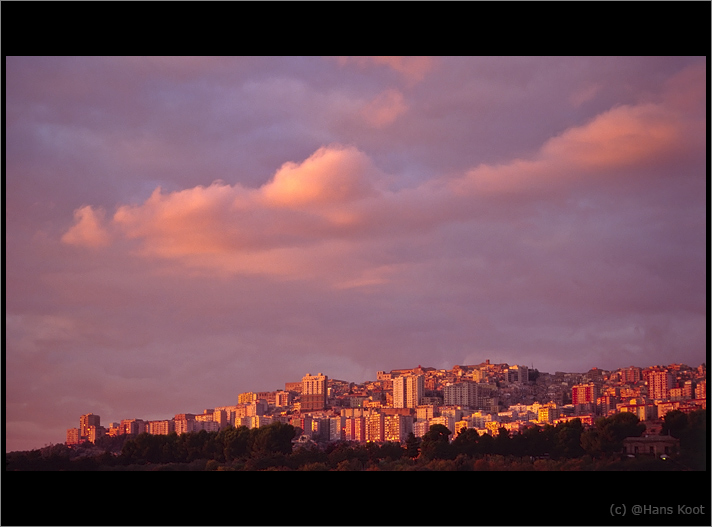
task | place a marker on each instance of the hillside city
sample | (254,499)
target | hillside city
(484,397)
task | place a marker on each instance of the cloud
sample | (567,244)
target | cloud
(413,69)
(585,94)
(618,138)
(309,210)
(244,229)
(331,176)
(384,109)
(87,230)
(634,138)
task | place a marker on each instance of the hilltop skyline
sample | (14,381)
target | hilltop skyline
(183,229)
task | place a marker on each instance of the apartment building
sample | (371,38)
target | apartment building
(87,420)
(163,427)
(397,427)
(74,436)
(659,383)
(408,390)
(314,392)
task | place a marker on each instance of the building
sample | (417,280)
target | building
(282,398)
(220,417)
(644,411)
(132,426)
(420,428)
(606,404)
(517,374)
(468,394)
(85,421)
(95,432)
(246,397)
(186,425)
(336,428)
(397,427)
(445,420)
(688,391)
(426,412)
(651,445)
(162,428)
(375,427)
(631,375)
(314,392)
(548,413)
(584,394)
(295,387)
(74,436)
(355,429)
(701,390)
(258,407)
(408,390)
(659,384)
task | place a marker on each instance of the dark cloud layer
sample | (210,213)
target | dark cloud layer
(180,230)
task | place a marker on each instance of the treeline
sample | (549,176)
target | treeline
(566,446)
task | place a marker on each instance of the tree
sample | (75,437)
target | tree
(412,446)
(272,439)
(502,442)
(467,442)
(391,450)
(609,432)
(235,442)
(435,444)
(568,439)
(674,423)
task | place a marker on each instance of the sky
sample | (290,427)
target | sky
(182,230)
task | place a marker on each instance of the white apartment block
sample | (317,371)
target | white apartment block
(408,391)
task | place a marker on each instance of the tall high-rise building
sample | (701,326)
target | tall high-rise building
(85,421)
(465,393)
(408,390)
(375,427)
(659,384)
(701,390)
(584,394)
(687,390)
(313,395)
(397,427)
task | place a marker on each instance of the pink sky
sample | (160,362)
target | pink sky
(181,230)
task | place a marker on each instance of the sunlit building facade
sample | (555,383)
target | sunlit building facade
(659,384)
(314,392)
(408,391)
(85,421)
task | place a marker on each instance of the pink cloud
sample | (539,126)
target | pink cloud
(384,109)
(413,69)
(585,94)
(310,210)
(87,230)
(623,136)
(331,176)
(231,227)
(627,137)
